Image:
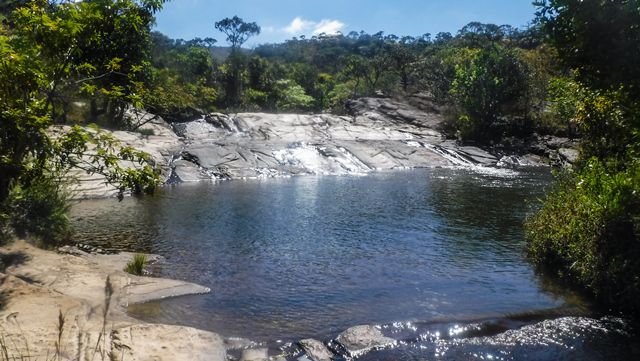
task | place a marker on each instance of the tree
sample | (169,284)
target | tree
(238,32)
(476,34)
(600,39)
(402,58)
(490,86)
(355,70)
(43,48)
(292,96)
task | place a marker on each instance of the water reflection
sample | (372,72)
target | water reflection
(312,256)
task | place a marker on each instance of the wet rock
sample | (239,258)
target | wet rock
(527,160)
(360,339)
(196,129)
(237,343)
(72,250)
(556,142)
(260,354)
(316,350)
(186,171)
(569,155)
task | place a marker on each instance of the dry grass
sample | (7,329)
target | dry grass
(17,348)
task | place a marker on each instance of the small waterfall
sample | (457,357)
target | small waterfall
(453,156)
(463,160)
(351,163)
(320,159)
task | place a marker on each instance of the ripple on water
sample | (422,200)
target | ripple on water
(312,256)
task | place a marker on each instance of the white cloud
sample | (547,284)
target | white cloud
(329,27)
(299,25)
(326,26)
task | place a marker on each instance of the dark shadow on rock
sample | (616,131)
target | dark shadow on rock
(4,292)
(12,259)
(29,280)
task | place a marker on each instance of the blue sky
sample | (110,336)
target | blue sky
(283,19)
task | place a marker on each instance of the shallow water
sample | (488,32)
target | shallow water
(300,257)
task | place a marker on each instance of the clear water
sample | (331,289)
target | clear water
(301,257)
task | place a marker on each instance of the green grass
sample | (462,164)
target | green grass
(136,265)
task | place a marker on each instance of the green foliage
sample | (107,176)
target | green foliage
(238,32)
(95,48)
(368,63)
(38,209)
(438,70)
(598,39)
(174,99)
(588,228)
(492,85)
(610,125)
(48,51)
(339,95)
(292,96)
(136,265)
(588,231)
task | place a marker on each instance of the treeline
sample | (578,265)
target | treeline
(494,81)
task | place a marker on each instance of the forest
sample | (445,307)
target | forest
(572,72)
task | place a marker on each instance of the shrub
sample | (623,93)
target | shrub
(38,208)
(136,265)
(487,89)
(588,232)
(292,97)
(147,132)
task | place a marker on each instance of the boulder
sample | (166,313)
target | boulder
(316,350)
(360,339)
(569,155)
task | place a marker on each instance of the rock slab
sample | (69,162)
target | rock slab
(360,339)
(316,350)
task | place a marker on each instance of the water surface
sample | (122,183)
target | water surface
(300,257)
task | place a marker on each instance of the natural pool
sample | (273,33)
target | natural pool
(418,252)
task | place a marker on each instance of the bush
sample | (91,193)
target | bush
(588,232)
(136,265)
(488,90)
(292,97)
(38,208)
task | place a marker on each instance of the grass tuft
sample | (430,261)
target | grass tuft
(136,265)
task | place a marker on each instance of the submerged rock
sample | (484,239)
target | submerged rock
(260,354)
(316,350)
(360,339)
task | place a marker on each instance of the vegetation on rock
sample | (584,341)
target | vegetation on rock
(136,265)
(588,230)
